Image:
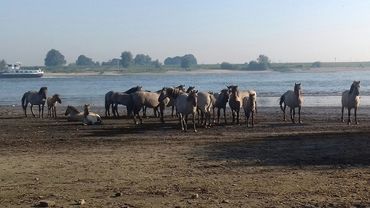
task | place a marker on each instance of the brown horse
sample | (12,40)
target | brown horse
(52,102)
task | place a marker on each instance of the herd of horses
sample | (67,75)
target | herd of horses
(184,102)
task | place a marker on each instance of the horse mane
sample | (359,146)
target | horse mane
(352,88)
(42,90)
(73,108)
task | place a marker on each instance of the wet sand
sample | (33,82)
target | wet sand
(320,163)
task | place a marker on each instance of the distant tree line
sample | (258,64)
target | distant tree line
(55,58)
(262,63)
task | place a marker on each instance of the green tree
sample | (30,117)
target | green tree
(264,61)
(83,60)
(157,64)
(178,59)
(126,59)
(54,58)
(185,62)
(2,64)
(316,64)
(141,59)
(226,65)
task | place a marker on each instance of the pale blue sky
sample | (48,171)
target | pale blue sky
(213,30)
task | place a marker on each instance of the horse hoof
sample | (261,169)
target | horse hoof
(357,123)
(195,131)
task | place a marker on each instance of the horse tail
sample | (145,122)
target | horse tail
(107,106)
(282,100)
(24,104)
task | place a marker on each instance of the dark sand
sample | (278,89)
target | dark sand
(321,162)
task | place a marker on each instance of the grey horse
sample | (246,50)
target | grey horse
(35,98)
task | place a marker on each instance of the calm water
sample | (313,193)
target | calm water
(320,89)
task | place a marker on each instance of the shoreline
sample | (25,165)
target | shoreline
(208,71)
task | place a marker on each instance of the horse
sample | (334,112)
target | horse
(351,99)
(187,104)
(204,105)
(110,103)
(293,99)
(90,118)
(35,98)
(235,101)
(51,103)
(170,93)
(219,100)
(122,99)
(250,107)
(141,99)
(73,114)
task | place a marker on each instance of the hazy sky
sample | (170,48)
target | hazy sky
(213,30)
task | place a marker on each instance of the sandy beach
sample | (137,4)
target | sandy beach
(320,163)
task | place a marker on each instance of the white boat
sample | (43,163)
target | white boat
(15,71)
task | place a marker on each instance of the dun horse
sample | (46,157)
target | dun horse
(90,118)
(187,104)
(52,102)
(250,106)
(109,102)
(144,99)
(293,99)
(219,101)
(73,114)
(172,93)
(351,99)
(235,102)
(35,98)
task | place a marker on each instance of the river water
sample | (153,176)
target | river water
(319,88)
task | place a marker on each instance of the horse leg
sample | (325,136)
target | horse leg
(233,114)
(186,123)
(39,111)
(291,114)
(293,120)
(218,115)
(32,111)
(173,109)
(213,113)
(341,118)
(299,114)
(246,118)
(349,116)
(42,110)
(224,116)
(55,112)
(195,130)
(161,112)
(144,111)
(237,116)
(356,115)
(25,109)
(252,119)
(284,117)
(181,122)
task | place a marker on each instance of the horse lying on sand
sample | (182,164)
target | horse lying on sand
(90,118)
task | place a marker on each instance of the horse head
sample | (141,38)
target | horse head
(86,109)
(193,97)
(57,98)
(190,88)
(225,94)
(43,91)
(297,88)
(355,88)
